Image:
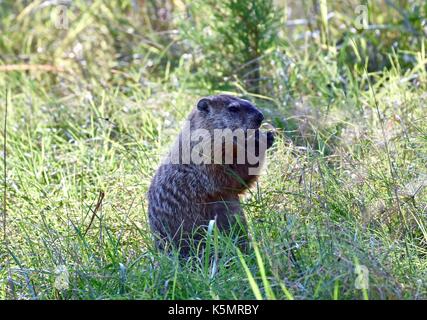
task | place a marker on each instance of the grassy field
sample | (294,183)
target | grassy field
(95,95)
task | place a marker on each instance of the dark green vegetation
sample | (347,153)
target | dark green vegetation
(93,106)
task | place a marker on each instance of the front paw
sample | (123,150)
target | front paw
(270,139)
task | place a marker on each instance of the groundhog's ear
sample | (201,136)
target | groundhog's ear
(203,105)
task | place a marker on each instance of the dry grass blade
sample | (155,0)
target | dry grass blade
(94,211)
(31,67)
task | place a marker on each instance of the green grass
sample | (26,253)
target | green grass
(345,184)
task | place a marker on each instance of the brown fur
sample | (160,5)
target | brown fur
(183,198)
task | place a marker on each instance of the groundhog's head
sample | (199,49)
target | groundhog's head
(228,112)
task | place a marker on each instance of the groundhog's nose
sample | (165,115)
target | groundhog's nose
(259,118)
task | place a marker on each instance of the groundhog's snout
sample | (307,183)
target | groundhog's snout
(258,119)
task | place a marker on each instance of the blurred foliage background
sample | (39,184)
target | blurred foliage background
(222,43)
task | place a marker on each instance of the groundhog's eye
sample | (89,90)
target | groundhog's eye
(233,108)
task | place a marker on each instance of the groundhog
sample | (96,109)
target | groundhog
(185,194)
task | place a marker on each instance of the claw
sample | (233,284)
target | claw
(270,139)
